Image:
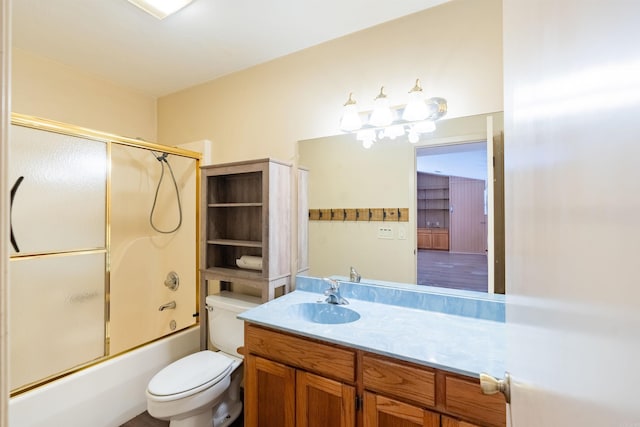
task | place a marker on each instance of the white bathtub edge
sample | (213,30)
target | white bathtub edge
(105,395)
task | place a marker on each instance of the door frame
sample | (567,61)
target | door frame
(487,137)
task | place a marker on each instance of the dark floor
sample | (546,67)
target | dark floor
(449,270)
(146,420)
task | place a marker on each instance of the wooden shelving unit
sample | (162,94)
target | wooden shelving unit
(246,211)
(433,211)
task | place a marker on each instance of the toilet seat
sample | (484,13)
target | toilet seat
(189,375)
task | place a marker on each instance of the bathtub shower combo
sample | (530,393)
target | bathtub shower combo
(103,247)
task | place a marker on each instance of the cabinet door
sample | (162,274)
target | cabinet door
(322,402)
(464,397)
(424,239)
(380,411)
(59,192)
(269,393)
(452,422)
(441,240)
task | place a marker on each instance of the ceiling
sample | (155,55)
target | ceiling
(117,41)
(468,160)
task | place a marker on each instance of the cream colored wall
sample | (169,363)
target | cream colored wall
(455,48)
(345,175)
(141,258)
(352,177)
(51,90)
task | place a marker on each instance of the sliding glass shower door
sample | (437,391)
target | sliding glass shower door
(57,282)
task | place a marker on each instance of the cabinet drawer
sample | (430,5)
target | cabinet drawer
(400,380)
(464,397)
(324,359)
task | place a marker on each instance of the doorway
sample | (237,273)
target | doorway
(452,216)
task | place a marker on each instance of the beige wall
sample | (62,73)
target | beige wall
(344,175)
(455,48)
(51,90)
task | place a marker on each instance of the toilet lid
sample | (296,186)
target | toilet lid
(190,373)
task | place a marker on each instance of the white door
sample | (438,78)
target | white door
(572,166)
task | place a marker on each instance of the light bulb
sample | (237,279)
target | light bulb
(416,109)
(425,126)
(367,143)
(350,120)
(413,136)
(381,115)
(366,134)
(393,132)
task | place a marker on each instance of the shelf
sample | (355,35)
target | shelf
(242,243)
(233,269)
(246,208)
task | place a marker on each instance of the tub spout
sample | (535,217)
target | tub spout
(168,305)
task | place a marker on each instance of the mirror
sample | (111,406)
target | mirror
(346,179)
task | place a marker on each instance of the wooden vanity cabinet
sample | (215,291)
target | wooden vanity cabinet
(270,393)
(433,238)
(302,382)
(452,422)
(292,381)
(381,411)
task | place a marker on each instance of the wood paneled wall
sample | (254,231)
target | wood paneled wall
(468,230)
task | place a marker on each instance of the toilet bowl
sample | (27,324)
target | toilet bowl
(203,389)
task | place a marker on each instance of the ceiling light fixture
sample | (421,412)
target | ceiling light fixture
(160,8)
(417,117)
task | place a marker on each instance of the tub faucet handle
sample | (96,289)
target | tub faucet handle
(167,306)
(172,281)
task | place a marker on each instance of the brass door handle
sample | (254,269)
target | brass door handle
(492,385)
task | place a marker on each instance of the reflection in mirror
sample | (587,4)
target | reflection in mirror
(452,213)
(344,177)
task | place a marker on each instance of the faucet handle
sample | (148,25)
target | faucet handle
(333,283)
(354,276)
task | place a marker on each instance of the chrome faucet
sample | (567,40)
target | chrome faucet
(333,293)
(168,305)
(354,276)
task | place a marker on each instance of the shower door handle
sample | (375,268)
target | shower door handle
(14,190)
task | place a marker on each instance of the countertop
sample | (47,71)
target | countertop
(464,345)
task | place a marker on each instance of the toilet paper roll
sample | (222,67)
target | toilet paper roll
(249,262)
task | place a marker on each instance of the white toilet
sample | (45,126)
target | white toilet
(203,389)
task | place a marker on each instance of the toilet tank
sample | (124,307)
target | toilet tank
(226,331)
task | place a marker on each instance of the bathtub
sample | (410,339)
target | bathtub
(105,395)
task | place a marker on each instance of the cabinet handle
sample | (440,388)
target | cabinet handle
(14,189)
(492,385)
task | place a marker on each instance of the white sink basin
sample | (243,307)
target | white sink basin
(320,312)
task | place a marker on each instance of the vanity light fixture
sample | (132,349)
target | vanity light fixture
(350,118)
(160,8)
(381,115)
(416,109)
(417,117)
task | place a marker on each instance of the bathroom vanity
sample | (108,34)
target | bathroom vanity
(393,366)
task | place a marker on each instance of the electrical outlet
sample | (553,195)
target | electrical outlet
(385,233)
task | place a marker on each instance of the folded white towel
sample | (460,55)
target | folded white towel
(249,262)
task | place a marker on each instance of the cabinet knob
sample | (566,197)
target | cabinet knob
(492,385)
